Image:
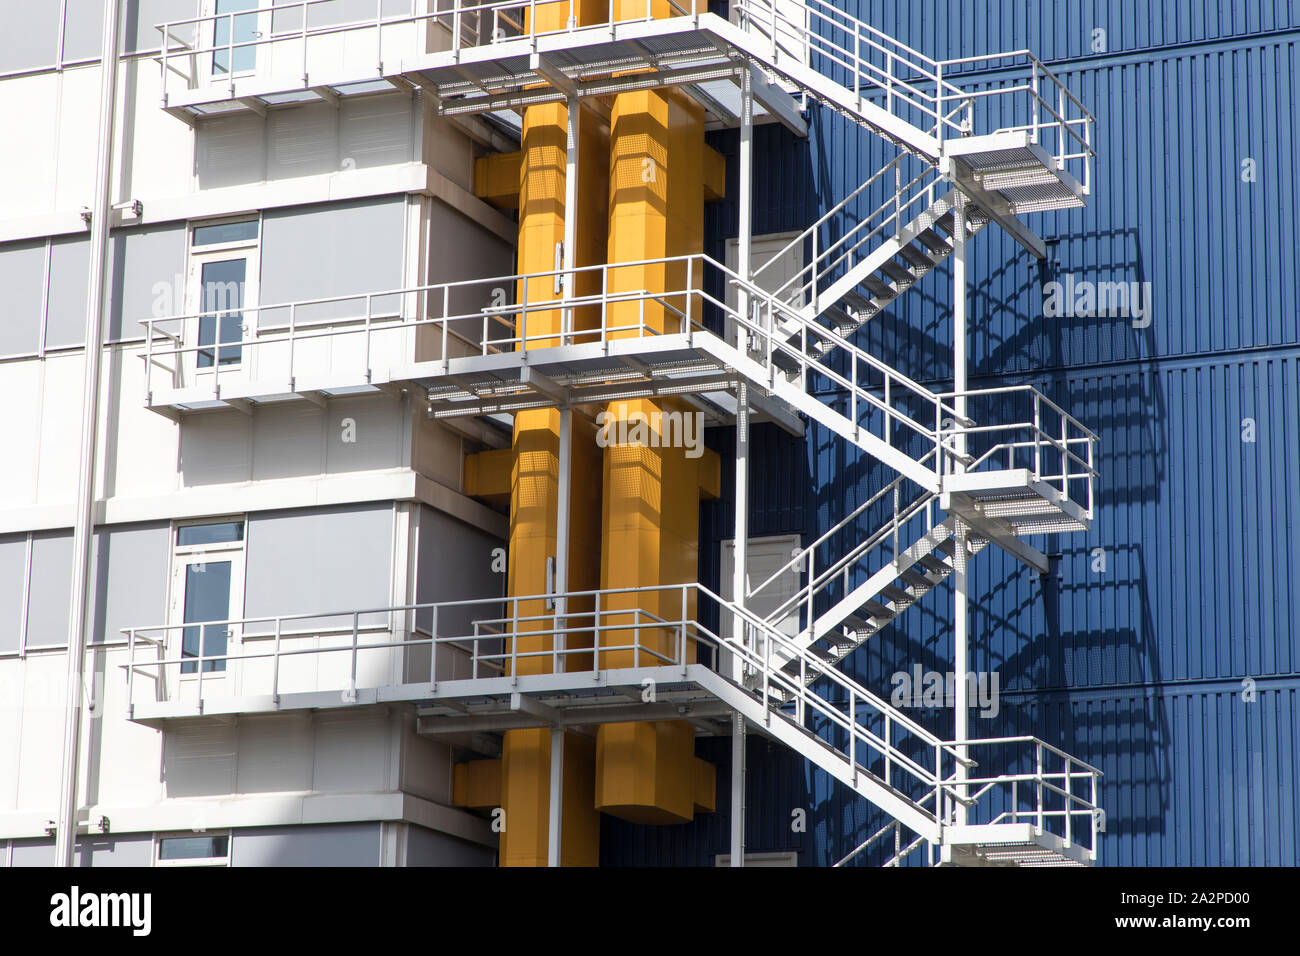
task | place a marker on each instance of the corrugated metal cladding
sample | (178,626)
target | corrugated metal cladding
(1163,648)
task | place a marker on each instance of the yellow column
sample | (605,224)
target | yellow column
(645,771)
(535,476)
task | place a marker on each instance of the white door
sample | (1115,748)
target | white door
(775,265)
(765,558)
(230,25)
(221,287)
(207,593)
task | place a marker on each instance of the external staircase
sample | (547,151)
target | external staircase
(960,476)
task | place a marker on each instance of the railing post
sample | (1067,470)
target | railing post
(130,669)
(1038,783)
(1069,802)
(275,667)
(352,683)
(1038,435)
(369,309)
(433,648)
(940,120)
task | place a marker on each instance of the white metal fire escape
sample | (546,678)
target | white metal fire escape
(974,467)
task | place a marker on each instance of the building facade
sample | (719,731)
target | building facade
(370,583)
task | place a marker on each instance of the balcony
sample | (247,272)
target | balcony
(471,669)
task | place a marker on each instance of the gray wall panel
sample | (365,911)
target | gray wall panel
(29,35)
(110,851)
(330,559)
(22,275)
(455,564)
(65,310)
(142,259)
(430,848)
(51,587)
(139,17)
(83,25)
(13,565)
(342,844)
(132,591)
(32,853)
(331,250)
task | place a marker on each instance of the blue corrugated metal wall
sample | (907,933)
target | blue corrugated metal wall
(1135,654)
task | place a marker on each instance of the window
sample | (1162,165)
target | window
(207,594)
(229,32)
(222,283)
(193,850)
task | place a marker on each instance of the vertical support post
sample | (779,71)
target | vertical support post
(564,493)
(739,576)
(738,791)
(745,199)
(556,806)
(570,214)
(961,587)
(82,535)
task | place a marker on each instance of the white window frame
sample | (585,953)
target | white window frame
(208,9)
(185,556)
(250,250)
(211,861)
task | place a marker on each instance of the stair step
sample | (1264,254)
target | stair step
(879,290)
(897,595)
(916,580)
(918,257)
(897,272)
(934,565)
(879,612)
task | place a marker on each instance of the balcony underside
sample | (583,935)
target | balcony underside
(691,365)
(685,52)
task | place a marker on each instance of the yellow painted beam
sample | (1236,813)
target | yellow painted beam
(496,179)
(477,784)
(487,475)
(706,786)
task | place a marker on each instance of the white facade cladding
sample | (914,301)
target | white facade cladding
(345,501)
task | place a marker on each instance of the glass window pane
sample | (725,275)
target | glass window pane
(244,31)
(225,232)
(223,300)
(207,598)
(222,533)
(193,848)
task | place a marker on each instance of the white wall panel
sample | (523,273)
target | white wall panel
(27,174)
(60,426)
(275,753)
(377,427)
(352,752)
(130,565)
(76,114)
(40,734)
(199,757)
(20,387)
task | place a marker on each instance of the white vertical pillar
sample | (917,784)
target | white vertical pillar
(738,791)
(961,592)
(570,209)
(83,528)
(555,815)
(745,200)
